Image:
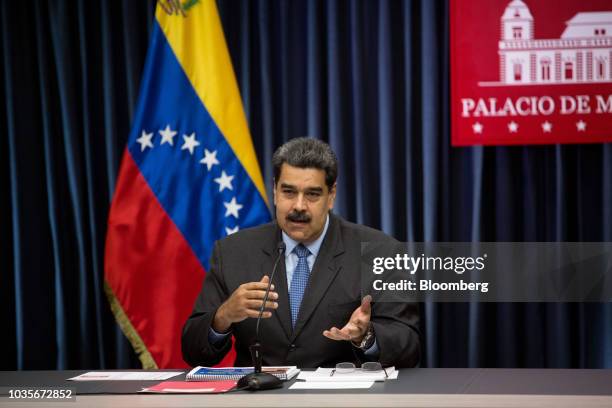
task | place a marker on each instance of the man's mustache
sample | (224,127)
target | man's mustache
(296,216)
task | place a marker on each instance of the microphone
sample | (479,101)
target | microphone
(259,380)
(280,248)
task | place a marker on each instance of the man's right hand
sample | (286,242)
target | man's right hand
(245,302)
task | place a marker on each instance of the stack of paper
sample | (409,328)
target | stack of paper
(330,375)
(328,378)
(336,385)
(125,375)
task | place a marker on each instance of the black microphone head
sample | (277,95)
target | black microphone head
(281,247)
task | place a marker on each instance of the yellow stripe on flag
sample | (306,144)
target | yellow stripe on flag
(197,39)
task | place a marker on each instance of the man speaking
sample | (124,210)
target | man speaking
(314,316)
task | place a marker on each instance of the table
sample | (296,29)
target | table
(419,387)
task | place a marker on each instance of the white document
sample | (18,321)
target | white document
(325,374)
(335,385)
(125,375)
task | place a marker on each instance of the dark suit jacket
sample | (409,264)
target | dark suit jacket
(333,293)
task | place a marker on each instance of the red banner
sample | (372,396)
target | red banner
(531,72)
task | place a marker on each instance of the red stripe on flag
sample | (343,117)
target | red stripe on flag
(151,269)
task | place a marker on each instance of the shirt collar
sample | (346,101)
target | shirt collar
(313,247)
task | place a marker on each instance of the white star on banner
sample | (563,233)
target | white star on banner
(513,127)
(477,127)
(231,231)
(224,181)
(581,126)
(547,127)
(145,140)
(190,143)
(232,208)
(167,135)
(209,159)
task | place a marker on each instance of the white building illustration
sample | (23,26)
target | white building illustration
(583,54)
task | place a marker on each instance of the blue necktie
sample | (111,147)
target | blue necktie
(298,281)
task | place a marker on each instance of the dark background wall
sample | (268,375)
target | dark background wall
(369,77)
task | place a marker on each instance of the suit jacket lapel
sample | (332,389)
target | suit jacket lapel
(283,313)
(323,272)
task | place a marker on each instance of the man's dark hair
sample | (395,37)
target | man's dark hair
(304,152)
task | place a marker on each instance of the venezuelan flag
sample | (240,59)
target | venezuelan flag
(189,176)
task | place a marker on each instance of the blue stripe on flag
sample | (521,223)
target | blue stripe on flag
(185,187)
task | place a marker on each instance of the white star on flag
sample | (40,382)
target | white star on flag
(513,127)
(145,140)
(232,208)
(167,135)
(581,126)
(231,231)
(209,159)
(224,181)
(477,127)
(547,127)
(190,143)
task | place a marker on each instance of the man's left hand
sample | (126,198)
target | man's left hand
(357,325)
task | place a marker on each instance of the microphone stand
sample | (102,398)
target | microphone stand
(259,380)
